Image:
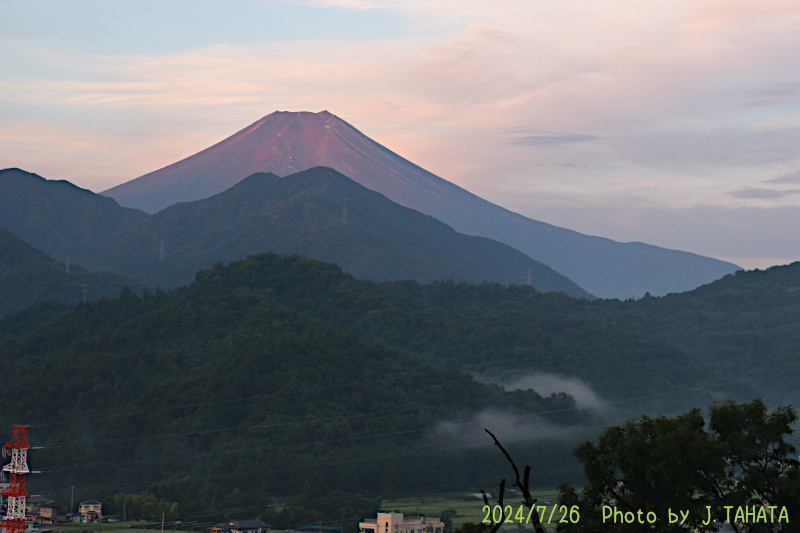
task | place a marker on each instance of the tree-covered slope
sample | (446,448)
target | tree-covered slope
(22,321)
(272,367)
(319,213)
(747,324)
(742,330)
(57,217)
(220,386)
(28,275)
(504,332)
(322,214)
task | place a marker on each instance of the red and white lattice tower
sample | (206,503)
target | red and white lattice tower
(18,471)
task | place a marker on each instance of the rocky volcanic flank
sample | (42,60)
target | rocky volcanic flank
(286,142)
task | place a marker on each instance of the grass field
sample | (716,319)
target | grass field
(467,509)
(114,527)
(471,509)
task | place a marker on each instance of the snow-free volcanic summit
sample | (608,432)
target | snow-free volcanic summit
(287,142)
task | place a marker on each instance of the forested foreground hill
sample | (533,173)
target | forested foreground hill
(501,332)
(221,386)
(739,335)
(272,367)
(746,324)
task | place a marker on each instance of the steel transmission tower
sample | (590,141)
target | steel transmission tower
(17,490)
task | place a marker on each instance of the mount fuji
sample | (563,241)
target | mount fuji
(288,142)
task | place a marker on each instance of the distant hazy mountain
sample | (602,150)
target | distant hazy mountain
(28,275)
(284,143)
(57,217)
(319,213)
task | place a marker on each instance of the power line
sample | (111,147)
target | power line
(381,495)
(383,412)
(418,430)
(220,402)
(360,460)
(370,413)
(639,375)
(318,465)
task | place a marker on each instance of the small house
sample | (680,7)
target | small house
(398,523)
(52,513)
(91,510)
(34,503)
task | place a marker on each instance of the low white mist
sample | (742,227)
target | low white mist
(506,427)
(546,384)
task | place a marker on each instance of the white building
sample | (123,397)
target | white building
(397,523)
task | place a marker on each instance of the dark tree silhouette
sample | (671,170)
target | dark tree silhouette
(524,486)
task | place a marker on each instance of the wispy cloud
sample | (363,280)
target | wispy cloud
(763,194)
(740,146)
(777,93)
(789,177)
(547,138)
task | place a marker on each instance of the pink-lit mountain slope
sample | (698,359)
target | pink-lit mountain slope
(287,142)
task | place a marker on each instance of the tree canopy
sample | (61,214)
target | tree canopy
(686,469)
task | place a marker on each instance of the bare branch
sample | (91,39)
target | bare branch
(496,526)
(524,486)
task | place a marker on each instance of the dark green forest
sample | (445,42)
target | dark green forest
(281,376)
(708,470)
(218,394)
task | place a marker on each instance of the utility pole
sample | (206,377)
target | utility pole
(162,521)
(72,499)
(124,512)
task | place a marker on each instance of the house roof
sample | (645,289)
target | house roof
(91,502)
(246,524)
(39,499)
(54,505)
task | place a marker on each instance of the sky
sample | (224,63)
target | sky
(675,123)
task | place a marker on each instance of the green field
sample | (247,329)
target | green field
(471,509)
(468,509)
(113,527)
